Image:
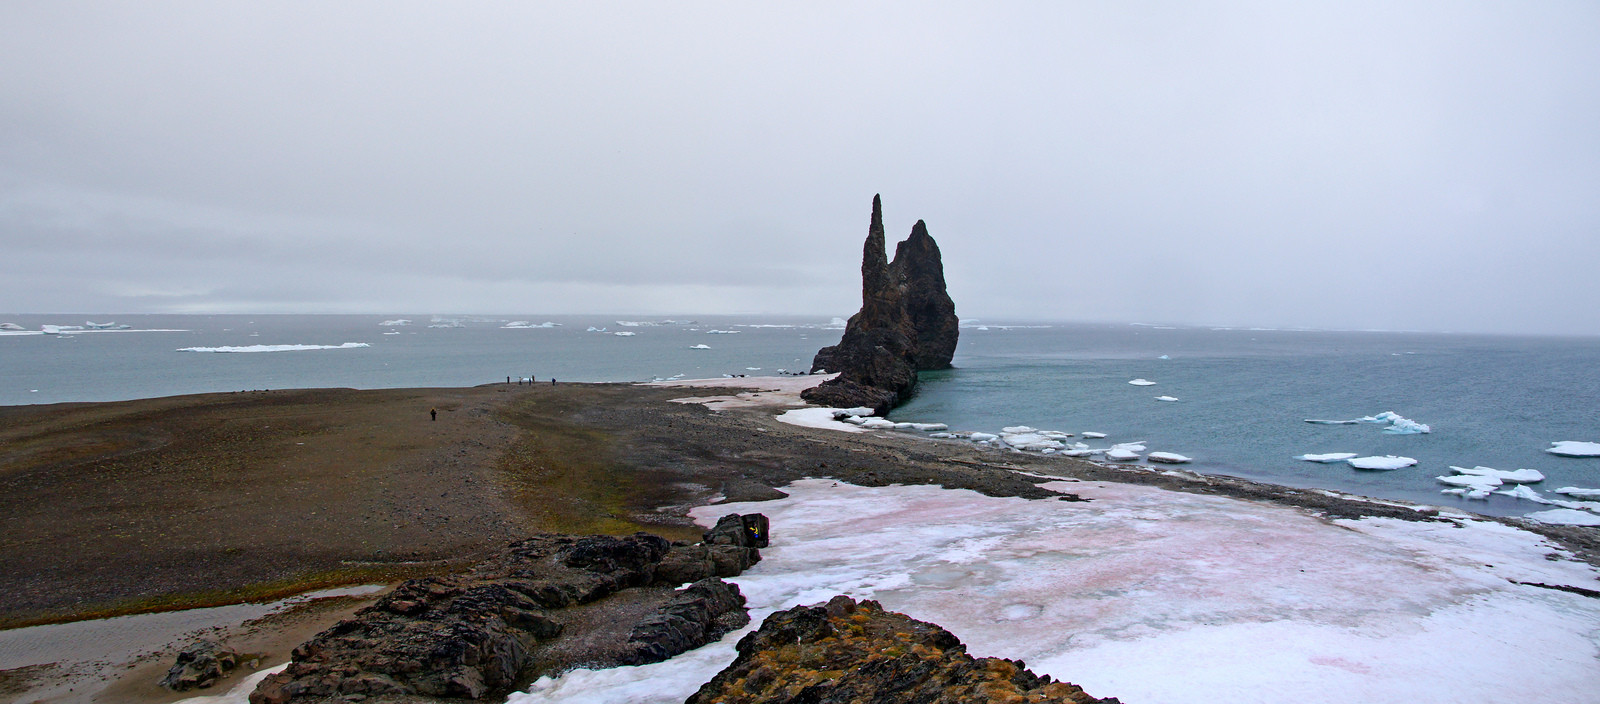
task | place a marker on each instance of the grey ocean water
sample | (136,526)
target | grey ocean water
(1244,394)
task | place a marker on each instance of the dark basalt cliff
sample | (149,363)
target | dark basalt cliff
(907,323)
(846,652)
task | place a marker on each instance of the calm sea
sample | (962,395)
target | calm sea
(1243,394)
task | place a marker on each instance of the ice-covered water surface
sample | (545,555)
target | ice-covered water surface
(1152,596)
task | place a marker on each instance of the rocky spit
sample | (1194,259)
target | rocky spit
(846,652)
(542,605)
(907,323)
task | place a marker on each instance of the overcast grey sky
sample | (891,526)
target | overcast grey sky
(1390,165)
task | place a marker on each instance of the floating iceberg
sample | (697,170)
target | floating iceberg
(1397,425)
(1117,454)
(519,324)
(1384,462)
(1129,446)
(1579,492)
(722,332)
(1470,480)
(1163,357)
(275,348)
(1092,435)
(104,326)
(595,329)
(699,347)
(1565,517)
(624,334)
(1168,458)
(1520,476)
(1168,399)
(1522,492)
(1329,457)
(397,322)
(11,326)
(1142,382)
(1574,448)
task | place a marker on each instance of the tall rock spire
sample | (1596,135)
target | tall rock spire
(907,323)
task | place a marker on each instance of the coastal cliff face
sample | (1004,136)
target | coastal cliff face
(907,323)
(846,651)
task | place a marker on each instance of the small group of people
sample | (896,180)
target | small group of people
(529,379)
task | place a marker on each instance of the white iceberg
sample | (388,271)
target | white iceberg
(1398,425)
(11,326)
(1142,382)
(1014,429)
(397,322)
(1163,357)
(1565,517)
(1574,448)
(276,348)
(699,347)
(523,324)
(1384,462)
(1579,492)
(1520,476)
(624,334)
(1525,493)
(1092,435)
(1168,458)
(1329,457)
(1117,454)
(722,332)
(595,329)
(1168,399)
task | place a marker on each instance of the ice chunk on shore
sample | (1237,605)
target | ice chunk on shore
(1383,462)
(983,437)
(1565,517)
(1329,457)
(1092,435)
(699,347)
(1574,448)
(1018,429)
(1130,446)
(1168,399)
(1168,458)
(1520,476)
(1523,492)
(1579,492)
(1117,454)
(1142,382)
(857,411)
(877,423)
(926,427)
(275,348)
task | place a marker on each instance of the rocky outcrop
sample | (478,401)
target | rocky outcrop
(907,323)
(857,652)
(199,665)
(510,619)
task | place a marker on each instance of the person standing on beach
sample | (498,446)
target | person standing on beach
(433,414)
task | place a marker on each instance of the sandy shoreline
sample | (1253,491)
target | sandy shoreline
(234,498)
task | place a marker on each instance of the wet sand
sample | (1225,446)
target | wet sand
(129,507)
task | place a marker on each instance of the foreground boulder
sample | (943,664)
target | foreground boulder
(907,323)
(847,652)
(544,604)
(199,665)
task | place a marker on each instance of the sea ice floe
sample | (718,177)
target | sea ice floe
(395,323)
(1579,492)
(1142,382)
(1118,454)
(1565,517)
(877,423)
(722,332)
(1018,429)
(926,427)
(11,326)
(1574,448)
(1163,357)
(275,348)
(624,334)
(983,437)
(945,436)
(523,325)
(1092,435)
(1168,458)
(1130,446)
(699,347)
(1168,399)
(1525,493)
(1520,476)
(1383,462)
(1398,425)
(1470,480)
(1329,457)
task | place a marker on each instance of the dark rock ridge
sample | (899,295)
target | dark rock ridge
(542,605)
(907,323)
(848,652)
